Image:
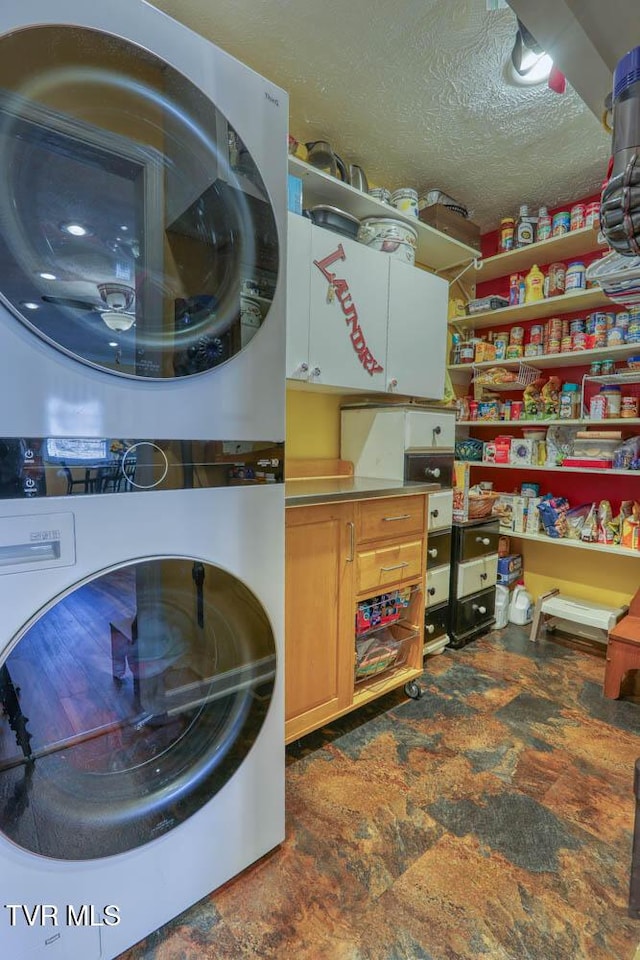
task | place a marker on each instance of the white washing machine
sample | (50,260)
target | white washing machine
(141,473)
(142,228)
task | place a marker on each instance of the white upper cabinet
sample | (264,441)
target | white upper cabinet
(417,332)
(361,320)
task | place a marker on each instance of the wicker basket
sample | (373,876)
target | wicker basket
(480,506)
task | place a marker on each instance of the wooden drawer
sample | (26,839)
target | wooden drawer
(386,565)
(436,622)
(479,540)
(391,517)
(476,575)
(437,590)
(440,510)
(438,549)
(473,614)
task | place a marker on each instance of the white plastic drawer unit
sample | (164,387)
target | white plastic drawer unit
(437,586)
(434,429)
(477,575)
(440,510)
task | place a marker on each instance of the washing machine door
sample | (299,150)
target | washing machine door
(136,231)
(130,701)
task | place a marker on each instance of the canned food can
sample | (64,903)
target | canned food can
(577,326)
(507,227)
(514,351)
(598,322)
(532,349)
(579,341)
(543,231)
(516,335)
(501,344)
(599,339)
(566,345)
(629,407)
(535,333)
(592,214)
(633,330)
(578,216)
(615,337)
(623,319)
(561,223)
(575,278)
(553,346)
(555,328)
(611,318)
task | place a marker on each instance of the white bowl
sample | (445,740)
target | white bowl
(395,237)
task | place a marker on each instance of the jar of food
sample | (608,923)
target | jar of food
(516,335)
(613,400)
(578,215)
(575,278)
(608,367)
(557,273)
(406,200)
(595,369)
(467,352)
(507,226)
(629,407)
(592,214)
(597,407)
(561,223)
(569,402)
(473,409)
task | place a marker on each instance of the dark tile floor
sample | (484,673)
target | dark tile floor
(490,819)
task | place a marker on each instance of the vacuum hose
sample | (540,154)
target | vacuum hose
(620,201)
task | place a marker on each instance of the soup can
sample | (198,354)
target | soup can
(566,344)
(578,216)
(516,335)
(592,214)
(532,349)
(555,328)
(578,341)
(622,320)
(577,326)
(535,333)
(561,223)
(514,351)
(615,337)
(557,274)
(553,346)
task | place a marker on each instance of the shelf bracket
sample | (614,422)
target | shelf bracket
(476,263)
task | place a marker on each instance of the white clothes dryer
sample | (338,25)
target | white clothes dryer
(142,229)
(141,746)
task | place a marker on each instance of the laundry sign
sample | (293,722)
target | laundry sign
(339,290)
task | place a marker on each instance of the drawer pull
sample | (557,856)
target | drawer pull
(432,552)
(397,566)
(435,472)
(434,514)
(483,576)
(437,431)
(483,540)
(429,628)
(431,591)
(479,609)
(403,516)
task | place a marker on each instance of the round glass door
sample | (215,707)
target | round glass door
(130,703)
(136,232)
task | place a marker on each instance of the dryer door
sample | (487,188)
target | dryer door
(136,231)
(131,701)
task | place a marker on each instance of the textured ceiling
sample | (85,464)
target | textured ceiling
(415,92)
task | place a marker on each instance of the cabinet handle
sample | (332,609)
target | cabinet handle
(483,576)
(432,472)
(432,552)
(397,566)
(479,609)
(431,591)
(434,513)
(429,628)
(402,516)
(393,383)
(352,540)
(437,431)
(483,540)
(316,372)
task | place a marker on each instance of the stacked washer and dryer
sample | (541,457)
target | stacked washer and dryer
(142,252)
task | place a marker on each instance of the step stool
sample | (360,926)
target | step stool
(589,621)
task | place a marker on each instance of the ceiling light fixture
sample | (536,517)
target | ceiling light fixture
(29,305)
(75,229)
(48,276)
(113,343)
(118,322)
(530,64)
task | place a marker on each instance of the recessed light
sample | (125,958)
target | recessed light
(113,343)
(75,229)
(124,229)
(48,276)
(29,305)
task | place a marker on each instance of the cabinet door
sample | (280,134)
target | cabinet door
(348,313)
(417,335)
(319,615)
(298,276)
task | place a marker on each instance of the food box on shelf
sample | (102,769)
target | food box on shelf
(533,515)
(484,304)
(509,568)
(519,518)
(453,224)
(588,462)
(511,509)
(461,486)
(523,451)
(497,451)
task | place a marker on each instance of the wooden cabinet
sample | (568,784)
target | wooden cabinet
(338,555)
(360,320)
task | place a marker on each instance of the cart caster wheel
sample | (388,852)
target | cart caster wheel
(413,690)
